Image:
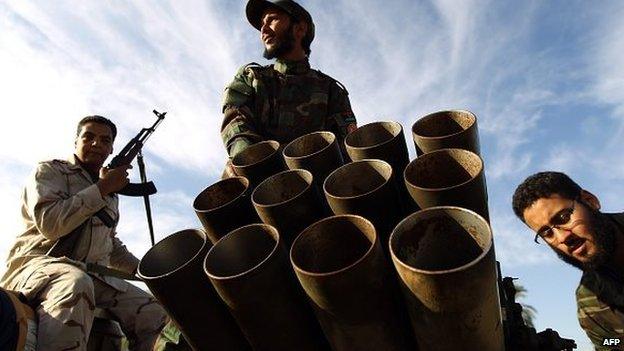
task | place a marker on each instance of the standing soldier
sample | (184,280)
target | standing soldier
(287,99)
(60,197)
(282,101)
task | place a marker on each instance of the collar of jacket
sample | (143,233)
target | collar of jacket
(74,165)
(292,67)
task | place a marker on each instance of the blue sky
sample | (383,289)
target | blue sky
(545,80)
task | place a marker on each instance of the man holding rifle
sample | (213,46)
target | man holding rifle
(60,197)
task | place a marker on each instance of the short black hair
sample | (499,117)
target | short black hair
(97,119)
(543,185)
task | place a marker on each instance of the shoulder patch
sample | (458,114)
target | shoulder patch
(335,81)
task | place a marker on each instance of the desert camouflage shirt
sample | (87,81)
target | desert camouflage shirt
(282,102)
(60,196)
(600,301)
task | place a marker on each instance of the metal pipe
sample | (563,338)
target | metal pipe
(445,259)
(316,152)
(225,206)
(366,188)
(445,130)
(384,141)
(288,201)
(340,264)
(249,268)
(379,140)
(259,161)
(448,177)
(172,270)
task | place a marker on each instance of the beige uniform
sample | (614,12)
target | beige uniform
(59,197)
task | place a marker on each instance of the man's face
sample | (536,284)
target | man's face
(276,33)
(575,230)
(94,144)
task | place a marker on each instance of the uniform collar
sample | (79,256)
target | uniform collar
(292,67)
(75,165)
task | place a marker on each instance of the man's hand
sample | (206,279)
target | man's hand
(113,180)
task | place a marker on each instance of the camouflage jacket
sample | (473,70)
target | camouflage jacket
(282,102)
(58,198)
(600,301)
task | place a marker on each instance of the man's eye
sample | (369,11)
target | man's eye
(563,217)
(546,233)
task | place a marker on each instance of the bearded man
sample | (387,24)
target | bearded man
(287,99)
(568,219)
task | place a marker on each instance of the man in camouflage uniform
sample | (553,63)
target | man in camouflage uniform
(282,101)
(61,196)
(287,99)
(568,219)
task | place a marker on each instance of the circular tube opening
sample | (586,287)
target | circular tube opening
(172,253)
(309,144)
(443,124)
(241,251)
(357,178)
(443,169)
(220,194)
(441,240)
(282,187)
(255,153)
(373,134)
(333,244)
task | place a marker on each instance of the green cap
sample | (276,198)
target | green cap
(255,9)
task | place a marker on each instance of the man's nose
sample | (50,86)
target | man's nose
(563,235)
(264,28)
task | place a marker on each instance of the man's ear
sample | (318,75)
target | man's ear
(300,29)
(590,199)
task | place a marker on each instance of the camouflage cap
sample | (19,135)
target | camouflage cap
(255,9)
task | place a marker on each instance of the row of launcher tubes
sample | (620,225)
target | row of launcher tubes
(298,251)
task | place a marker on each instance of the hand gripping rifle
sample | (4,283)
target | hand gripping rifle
(65,245)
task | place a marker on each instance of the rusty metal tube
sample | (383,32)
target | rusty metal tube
(225,206)
(445,259)
(366,188)
(259,161)
(448,177)
(379,140)
(316,152)
(455,129)
(172,270)
(288,201)
(340,264)
(249,268)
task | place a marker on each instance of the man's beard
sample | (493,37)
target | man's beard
(604,235)
(282,46)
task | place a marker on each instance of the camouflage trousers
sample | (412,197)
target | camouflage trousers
(66,298)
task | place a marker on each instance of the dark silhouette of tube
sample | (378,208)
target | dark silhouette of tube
(249,268)
(384,141)
(340,264)
(454,129)
(289,201)
(445,259)
(448,177)
(172,270)
(366,188)
(316,152)
(225,206)
(379,140)
(259,161)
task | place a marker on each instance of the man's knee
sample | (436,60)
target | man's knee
(70,287)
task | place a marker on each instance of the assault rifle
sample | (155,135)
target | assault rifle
(65,245)
(518,335)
